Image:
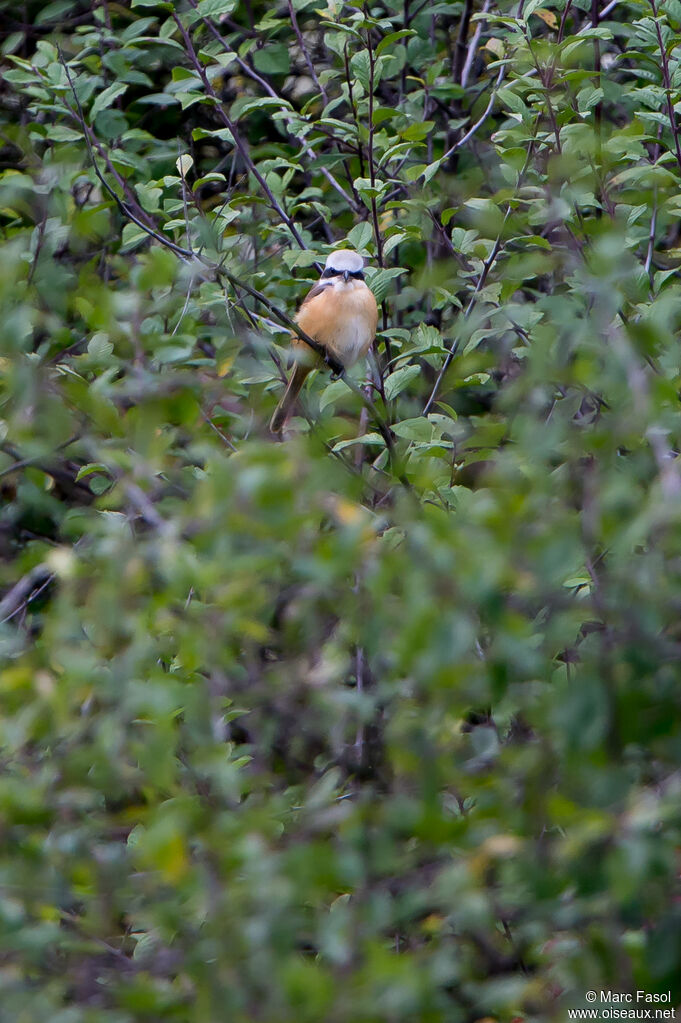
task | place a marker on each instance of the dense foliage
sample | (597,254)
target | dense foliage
(380,723)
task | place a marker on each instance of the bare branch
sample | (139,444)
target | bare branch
(481,120)
(370,155)
(253,74)
(25,592)
(472,47)
(460,51)
(667,81)
(234,132)
(306,55)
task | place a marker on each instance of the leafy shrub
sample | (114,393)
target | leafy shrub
(381,722)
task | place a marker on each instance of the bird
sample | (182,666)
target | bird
(340,313)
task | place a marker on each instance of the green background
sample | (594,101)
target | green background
(329,730)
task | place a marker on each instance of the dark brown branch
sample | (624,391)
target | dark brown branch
(306,55)
(667,81)
(482,279)
(353,108)
(598,110)
(481,120)
(472,46)
(461,42)
(25,592)
(234,132)
(372,162)
(265,85)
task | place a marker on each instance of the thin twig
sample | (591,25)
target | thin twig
(472,47)
(460,51)
(359,680)
(232,128)
(353,108)
(184,307)
(481,120)
(22,463)
(563,23)
(667,81)
(253,74)
(487,266)
(145,508)
(225,440)
(306,55)
(598,110)
(653,219)
(482,279)
(25,591)
(370,154)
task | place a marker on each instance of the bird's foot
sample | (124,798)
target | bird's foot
(337,368)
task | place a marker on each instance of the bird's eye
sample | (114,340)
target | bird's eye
(330,272)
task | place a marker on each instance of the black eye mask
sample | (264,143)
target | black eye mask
(357,275)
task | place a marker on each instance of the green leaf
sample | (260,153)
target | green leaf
(512,100)
(244,106)
(368,190)
(588,98)
(132,237)
(99,347)
(272,59)
(388,41)
(87,470)
(419,429)
(360,236)
(216,8)
(105,98)
(380,281)
(399,380)
(430,171)
(382,114)
(531,6)
(366,439)
(418,131)
(360,64)
(332,393)
(60,133)
(100,484)
(111,124)
(149,197)
(297,258)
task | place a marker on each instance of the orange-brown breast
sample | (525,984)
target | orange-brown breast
(342,317)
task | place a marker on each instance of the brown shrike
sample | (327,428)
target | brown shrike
(340,314)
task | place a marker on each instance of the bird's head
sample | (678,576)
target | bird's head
(345,264)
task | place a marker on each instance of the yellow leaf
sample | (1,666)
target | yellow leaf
(548,17)
(225,366)
(48,912)
(495,46)
(433,924)
(172,859)
(500,846)
(184,164)
(347,512)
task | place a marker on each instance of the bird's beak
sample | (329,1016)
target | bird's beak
(346,276)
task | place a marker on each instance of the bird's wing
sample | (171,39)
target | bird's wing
(315,290)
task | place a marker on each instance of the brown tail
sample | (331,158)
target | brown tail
(285,406)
